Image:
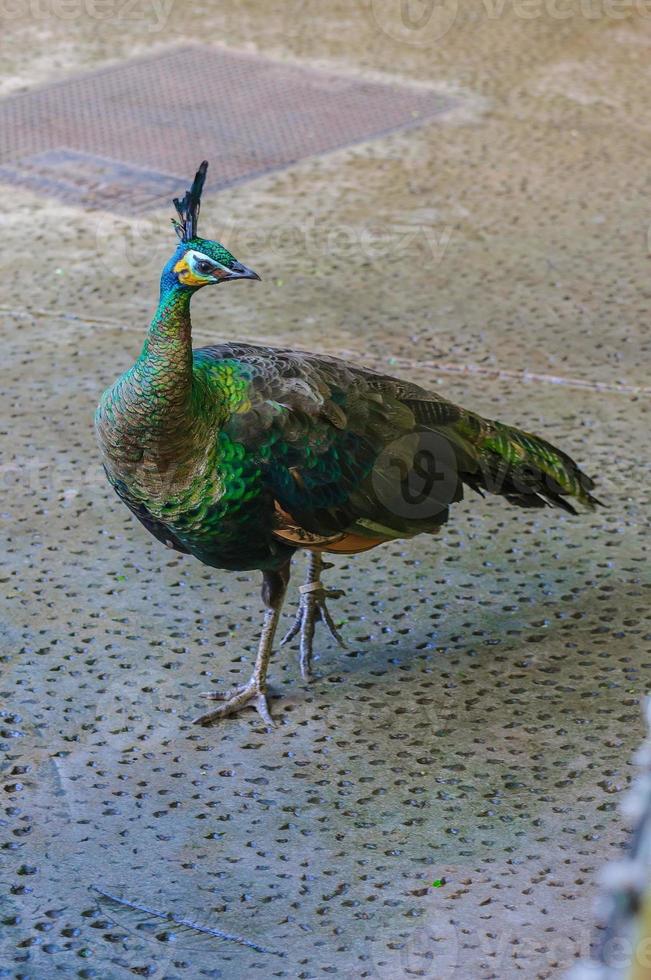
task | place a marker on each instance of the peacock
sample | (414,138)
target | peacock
(241,455)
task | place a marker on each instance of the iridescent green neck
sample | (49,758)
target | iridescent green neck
(168,344)
(164,368)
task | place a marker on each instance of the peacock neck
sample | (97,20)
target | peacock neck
(152,420)
(166,356)
(152,404)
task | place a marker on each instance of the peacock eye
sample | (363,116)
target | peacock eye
(203,266)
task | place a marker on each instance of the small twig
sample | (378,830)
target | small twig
(186,923)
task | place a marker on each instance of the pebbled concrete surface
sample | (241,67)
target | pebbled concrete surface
(480,726)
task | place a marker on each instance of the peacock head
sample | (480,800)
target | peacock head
(198,261)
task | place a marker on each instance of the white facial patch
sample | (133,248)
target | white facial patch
(202,265)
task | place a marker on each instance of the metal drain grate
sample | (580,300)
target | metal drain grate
(123,137)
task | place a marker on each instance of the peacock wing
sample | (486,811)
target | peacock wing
(339,446)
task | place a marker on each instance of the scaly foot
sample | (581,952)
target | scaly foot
(252,694)
(312,608)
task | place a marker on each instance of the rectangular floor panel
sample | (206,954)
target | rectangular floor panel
(122,137)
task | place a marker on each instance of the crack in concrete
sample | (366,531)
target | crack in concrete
(443,367)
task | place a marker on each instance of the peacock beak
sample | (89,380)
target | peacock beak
(239,271)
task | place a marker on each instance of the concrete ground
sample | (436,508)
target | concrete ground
(478,731)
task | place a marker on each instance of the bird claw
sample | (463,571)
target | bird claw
(312,608)
(249,695)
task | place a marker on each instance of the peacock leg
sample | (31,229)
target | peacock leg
(312,608)
(254,692)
